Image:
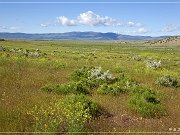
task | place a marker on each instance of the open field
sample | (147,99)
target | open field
(22,76)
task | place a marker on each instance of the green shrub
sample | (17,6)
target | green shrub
(81,73)
(121,85)
(2,39)
(126,82)
(58,88)
(84,83)
(145,102)
(113,89)
(167,81)
(80,87)
(78,110)
(93,74)
(72,87)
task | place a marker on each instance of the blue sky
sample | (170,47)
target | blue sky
(153,19)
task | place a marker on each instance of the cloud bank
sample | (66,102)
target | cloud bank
(13,28)
(92,19)
(89,18)
(62,20)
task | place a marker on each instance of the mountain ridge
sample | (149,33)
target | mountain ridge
(76,36)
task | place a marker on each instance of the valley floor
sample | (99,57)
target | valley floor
(27,66)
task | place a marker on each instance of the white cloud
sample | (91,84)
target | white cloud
(14,28)
(141,31)
(89,18)
(44,25)
(92,19)
(62,20)
(171,28)
(138,31)
(119,24)
(134,24)
(3,27)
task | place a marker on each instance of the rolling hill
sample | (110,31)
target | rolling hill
(166,41)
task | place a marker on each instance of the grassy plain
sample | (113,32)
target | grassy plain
(22,77)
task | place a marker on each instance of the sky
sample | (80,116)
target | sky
(154,18)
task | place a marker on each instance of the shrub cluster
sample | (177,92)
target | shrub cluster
(93,74)
(142,99)
(167,81)
(136,58)
(24,52)
(113,89)
(78,110)
(153,64)
(145,102)
(83,81)
(2,48)
(121,85)
(97,73)
(69,115)
(1,39)
(72,87)
(87,79)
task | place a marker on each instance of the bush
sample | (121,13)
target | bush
(99,74)
(92,73)
(113,89)
(80,87)
(122,85)
(126,82)
(167,80)
(78,110)
(153,64)
(136,58)
(80,74)
(145,102)
(85,81)
(62,88)
(2,48)
(2,39)
(72,87)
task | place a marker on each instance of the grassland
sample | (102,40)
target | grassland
(21,79)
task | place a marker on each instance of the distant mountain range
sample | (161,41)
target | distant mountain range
(76,36)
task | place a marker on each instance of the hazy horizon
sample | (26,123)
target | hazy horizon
(87,31)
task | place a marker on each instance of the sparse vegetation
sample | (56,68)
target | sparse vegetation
(127,91)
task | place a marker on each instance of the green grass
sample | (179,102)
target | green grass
(21,80)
